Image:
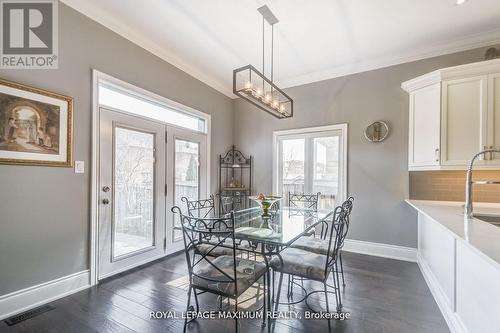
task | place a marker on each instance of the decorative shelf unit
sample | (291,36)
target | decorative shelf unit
(235,179)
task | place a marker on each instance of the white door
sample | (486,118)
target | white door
(464,107)
(131,191)
(310,161)
(188,175)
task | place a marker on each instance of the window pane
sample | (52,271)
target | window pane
(326,170)
(293,171)
(134,191)
(114,98)
(187,155)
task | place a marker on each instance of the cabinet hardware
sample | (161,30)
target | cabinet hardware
(436,152)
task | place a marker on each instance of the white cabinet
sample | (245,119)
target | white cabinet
(425,110)
(454,114)
(463,119)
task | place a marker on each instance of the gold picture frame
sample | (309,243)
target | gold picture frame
(36,126)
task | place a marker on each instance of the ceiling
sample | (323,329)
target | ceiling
(314,40)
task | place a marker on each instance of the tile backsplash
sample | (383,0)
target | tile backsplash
(450,185)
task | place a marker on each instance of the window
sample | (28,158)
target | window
(118,98)
(312,160)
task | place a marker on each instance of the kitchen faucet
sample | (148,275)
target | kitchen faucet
(468,183)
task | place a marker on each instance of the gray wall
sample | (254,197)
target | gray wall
(44,211)
(377,173)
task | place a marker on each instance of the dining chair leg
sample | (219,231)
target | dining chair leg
(342,269)
(279,292)
(196,301)
(327,305)
(187,307)
(264,299)
(236,318)
(339,305)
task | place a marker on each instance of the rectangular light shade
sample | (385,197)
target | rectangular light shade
(253,86)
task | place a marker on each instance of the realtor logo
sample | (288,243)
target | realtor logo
(29,34)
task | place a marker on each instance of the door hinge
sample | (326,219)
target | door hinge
(166,189)
(166,137)
(164,243)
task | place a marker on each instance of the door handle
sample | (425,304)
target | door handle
(106,189)
(105,201)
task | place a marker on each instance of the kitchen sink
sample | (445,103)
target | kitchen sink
(491,219)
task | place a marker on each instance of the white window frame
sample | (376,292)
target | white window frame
(298,133)
(98,77)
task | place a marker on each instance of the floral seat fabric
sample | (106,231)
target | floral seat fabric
(218,251)
(300,263)
(247,273)
(311,244)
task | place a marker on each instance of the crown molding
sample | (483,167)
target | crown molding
(94,13)
(469,42)
(466,43)
(452,73)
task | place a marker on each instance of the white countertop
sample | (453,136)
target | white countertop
(480,235)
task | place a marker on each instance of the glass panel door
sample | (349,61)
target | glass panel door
(131,196)
(186,176)
(134,191)
(293,166)
(326,170)
(310,161)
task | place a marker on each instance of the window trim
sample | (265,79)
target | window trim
(299,132)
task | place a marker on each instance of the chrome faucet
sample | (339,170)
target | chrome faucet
(468,183)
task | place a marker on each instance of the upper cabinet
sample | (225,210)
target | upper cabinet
(453,114)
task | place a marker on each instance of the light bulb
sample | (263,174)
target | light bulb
(248,85)
(258,92)
(282,108)
(460,2)
(268,98)
(275,104)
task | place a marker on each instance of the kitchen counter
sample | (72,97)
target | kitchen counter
(460,261)
(481,236)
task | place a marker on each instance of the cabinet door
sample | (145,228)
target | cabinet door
(493,125)
(464,112)
(424,129)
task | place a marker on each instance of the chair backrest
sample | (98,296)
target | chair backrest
(336,236)
(200,208)
(347,207)
(229,203)
(213,232)
(301,200)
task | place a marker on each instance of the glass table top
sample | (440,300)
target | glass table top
(282,228)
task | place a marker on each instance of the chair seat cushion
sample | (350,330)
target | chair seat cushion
(247,273)
(215,251)
(311,244)
(301,263)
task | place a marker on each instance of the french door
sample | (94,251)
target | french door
(145,167)
(312,160)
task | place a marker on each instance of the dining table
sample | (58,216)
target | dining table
(270,234)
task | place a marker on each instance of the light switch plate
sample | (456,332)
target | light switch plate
(79,167)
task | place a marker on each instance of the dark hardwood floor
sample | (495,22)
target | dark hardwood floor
(382,295)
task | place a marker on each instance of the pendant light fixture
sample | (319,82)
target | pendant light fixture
(255,87)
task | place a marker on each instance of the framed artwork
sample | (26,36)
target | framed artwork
(36,126)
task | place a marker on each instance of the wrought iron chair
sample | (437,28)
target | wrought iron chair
(227,276)
(200,208)
(320,245)
(313,266)
(204,208)
(300,200)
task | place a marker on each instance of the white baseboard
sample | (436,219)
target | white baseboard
(25,299)
(381,250)
(454,323)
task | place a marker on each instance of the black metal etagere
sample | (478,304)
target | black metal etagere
(235,180)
